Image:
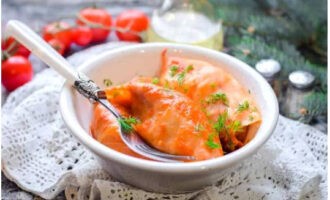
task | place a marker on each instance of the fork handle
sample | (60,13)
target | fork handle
(41,49)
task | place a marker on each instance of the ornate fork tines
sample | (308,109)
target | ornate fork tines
(135,142)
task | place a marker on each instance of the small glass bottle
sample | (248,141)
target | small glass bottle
(301,85)
(186,21)
(270,69)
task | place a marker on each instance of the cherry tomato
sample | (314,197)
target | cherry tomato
(82,35)
(60,31)
(132,20)
(15,47)
(57,45)
(99,17)
(15,72)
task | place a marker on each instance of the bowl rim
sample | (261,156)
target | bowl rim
(185,168)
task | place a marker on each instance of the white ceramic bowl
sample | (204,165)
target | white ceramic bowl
(122,64)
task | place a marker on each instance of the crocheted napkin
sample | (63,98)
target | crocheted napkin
(40,155)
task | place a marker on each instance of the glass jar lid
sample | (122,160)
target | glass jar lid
(301,79)
(268,68)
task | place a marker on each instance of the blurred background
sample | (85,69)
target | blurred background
(285,41)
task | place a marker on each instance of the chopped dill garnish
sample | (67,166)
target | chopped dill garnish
(126,123)
(167,84)
(182,74)
(213,85)
(205,111)
(251,118)
(189,68)
(107,82)
(181,77)
(235,126)
(220,124)
(174,70)
(213,98)
(244,106)
(155,80)
(210,142)
(199,127)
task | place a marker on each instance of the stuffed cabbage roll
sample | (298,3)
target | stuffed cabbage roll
(220,95)
(167,119)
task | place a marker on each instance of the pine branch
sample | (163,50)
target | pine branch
(315,105)
(251,50)
(301,23)
(309,13)
(250,5)
(257,22)
(312,16)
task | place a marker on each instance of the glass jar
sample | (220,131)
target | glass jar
(186,21)
(301,86)
(270,70)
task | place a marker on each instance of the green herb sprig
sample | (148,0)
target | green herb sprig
(199,127)
(155,80)
(213,98)
(244,106)
(126,123)
(181,76)
(174,70)
(220,124)
(235,126)
(211,143)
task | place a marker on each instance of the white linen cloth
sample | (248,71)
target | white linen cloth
(40,155)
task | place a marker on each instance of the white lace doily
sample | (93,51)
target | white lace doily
(40,155)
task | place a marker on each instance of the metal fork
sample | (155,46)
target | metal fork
(84,86)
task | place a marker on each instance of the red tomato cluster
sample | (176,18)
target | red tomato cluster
(93,25)
(15,47)
(131,23)
(58,32)
(99,20)
(16,69)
